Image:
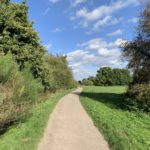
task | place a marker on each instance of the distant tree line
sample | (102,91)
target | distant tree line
(26,69)
(107,76)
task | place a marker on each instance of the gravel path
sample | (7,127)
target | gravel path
(70,128)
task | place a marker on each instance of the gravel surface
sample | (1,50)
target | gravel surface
(70,128)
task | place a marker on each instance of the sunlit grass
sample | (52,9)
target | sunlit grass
(123,130)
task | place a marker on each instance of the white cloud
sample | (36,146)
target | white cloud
(75,3)
(95,53)
(98,43)
(101,16)
(57,30)
(117,32)
(106,21)
(104,52)
(54,1)
(78,55)
(79,61)
(104,10)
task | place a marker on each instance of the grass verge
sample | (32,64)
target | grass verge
(27,134)
(122,129)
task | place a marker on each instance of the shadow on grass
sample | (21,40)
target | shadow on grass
(5,127)
(109,99)
(13,123)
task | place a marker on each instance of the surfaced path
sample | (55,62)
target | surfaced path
(70,128)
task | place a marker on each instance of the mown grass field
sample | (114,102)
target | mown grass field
(122,129)
(27,134)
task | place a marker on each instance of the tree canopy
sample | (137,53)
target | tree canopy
(18,37)
(27,71)
(137,51)
(107,76)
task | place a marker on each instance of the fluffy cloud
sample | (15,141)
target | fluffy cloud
(104,52)
(102,15)
(106,21)
(117,32)
(94,54)
(98,43)
(103,10)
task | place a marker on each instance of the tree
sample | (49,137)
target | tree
(18,37)
(109,76)
(121,76)
(138,51)
(87,82)
(138,54)
(62,74)
(104,76)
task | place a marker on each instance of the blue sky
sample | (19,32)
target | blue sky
(89,32)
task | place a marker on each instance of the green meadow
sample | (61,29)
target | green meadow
(122,129)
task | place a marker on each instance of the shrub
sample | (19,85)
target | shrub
(17,90)
(87,82)
(11,82)
(138,97)
(31,88)
(61,74)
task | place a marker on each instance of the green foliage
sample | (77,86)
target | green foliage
(104,76)
(137,53)
(18,37)
(32,87)
(25,70)
(9,69)
(138,97)
(124,130)
(16,90)
(107,76)
(62,75)
(121,76)
(87,82)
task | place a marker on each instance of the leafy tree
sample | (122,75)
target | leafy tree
(87,82)
(24,64)
(109,76)
(92,79)
(138,54)
(121,76)
(18,36)
(138,51)
(104,76)
(62,74)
